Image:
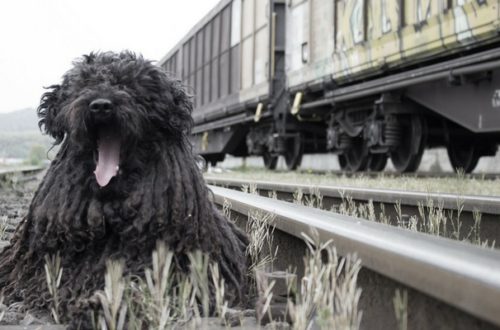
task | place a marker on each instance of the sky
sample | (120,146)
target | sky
(40,38)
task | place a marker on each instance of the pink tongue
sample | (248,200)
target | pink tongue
(109,156)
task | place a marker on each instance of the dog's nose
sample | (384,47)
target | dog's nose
(102,106)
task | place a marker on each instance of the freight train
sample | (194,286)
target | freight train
(366,80)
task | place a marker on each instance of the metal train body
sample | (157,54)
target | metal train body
(367,80)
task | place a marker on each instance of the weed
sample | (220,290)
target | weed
(329,295)
(2,312)
(159,282)
(53,273)
(431,219)
(3,228)
(260,230)
(298,195)
(400,303)
(199,277)
(113,305)
(165,299)
(226,209)
(272,194)
(221,304)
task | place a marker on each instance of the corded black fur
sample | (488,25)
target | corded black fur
(159,193)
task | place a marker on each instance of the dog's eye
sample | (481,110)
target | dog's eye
(121,87)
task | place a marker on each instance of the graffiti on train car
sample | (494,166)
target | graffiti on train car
(371,35)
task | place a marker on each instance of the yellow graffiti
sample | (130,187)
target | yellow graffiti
(423,10)
(375,34)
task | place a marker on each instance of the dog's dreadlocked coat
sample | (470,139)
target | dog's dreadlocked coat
(123,179)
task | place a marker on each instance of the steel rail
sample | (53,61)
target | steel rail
(25,170)
(460,274)
(483,204)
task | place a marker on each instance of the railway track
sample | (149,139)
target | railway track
(450,284)
(397,205)
(25,173)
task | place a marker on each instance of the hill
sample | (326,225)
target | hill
(20,135)
(25,120)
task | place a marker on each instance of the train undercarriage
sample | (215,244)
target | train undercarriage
(400,130)
(366,136)
(455,105)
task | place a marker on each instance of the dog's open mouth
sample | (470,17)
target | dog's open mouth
(108,154)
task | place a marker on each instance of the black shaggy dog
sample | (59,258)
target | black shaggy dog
(123,179)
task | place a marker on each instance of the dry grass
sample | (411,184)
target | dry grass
(3,308)
(3,228)
(260,230)
(113,306)
(53,275)
(221,305)
(199,277)
(164,300)
(400,303)
(329,295)
(432,218)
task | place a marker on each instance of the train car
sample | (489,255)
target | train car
(366,80)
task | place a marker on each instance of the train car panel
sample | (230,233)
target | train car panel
(247,43)
(225,65)
(384,21)
(199,69)
(246,63)
(464,24)
(473,106)
(376,35)
(225,58)
(254,49)
(297,34)
(215,58)
(310,39)
(207,56)
(261,15)
(235,46)
(321,14)
(261,56)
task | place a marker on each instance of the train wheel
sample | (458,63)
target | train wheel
(202,163)
(407,156)
(270,161)
(214,159)
(357,156)
(377,162)
(343,163)
(463,155)
(293,153)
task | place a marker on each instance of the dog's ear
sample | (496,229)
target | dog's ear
(171,105)
(183,107)
(175,104)
(49,113)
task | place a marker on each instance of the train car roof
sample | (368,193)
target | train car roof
(211,14)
